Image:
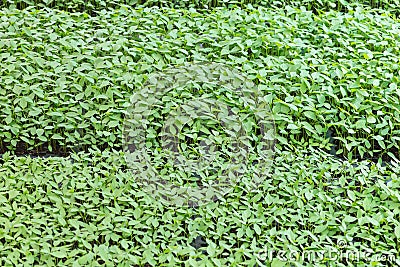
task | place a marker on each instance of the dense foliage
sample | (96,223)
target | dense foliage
(67,78)
(331,80)
(87,210)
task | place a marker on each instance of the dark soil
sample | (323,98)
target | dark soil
(22,149)
(383,155)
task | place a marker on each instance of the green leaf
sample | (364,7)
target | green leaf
(397,232)
(8,119)
(59,254)
(257,229)
(277,263)
(113,124)
(3,199)
(310,115)
(103,252)
(371,119)
(39,132)
(351,195)
(320,228)
(57,137)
